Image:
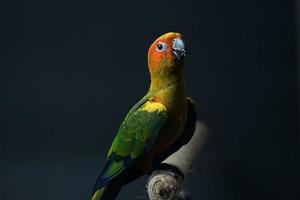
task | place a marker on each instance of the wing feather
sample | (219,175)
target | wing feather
(135,137)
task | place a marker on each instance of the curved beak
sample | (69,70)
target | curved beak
(179,51)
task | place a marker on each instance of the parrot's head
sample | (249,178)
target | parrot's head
(167,53)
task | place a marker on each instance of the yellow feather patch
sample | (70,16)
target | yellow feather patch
(153,106)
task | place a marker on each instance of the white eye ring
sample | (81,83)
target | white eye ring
(161,46)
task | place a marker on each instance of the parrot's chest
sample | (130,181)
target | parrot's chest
(177,117)
(167,136)
(175,124)
(174,99)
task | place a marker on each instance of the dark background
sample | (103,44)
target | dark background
(71,69)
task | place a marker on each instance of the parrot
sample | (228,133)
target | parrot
(157,126)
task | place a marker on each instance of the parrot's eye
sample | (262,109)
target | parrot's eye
(161,46)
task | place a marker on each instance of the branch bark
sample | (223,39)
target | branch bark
(166,183)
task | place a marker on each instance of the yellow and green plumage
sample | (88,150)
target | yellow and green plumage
(158,125)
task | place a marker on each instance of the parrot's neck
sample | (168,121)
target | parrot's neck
(168,89)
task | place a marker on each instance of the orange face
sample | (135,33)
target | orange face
(166,52)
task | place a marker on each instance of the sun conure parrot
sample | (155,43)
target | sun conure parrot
(157,126)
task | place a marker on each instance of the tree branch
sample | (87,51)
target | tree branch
(166,183)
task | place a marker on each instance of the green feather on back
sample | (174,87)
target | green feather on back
(135,137)
(139,130)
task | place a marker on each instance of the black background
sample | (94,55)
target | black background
(70,71)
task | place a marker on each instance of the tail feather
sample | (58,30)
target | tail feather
(98,193)
(109,191)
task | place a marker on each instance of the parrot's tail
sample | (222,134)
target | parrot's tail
(109,191)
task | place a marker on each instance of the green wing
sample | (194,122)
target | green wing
(135,137)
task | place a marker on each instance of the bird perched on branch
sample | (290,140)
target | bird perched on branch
(157,126)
